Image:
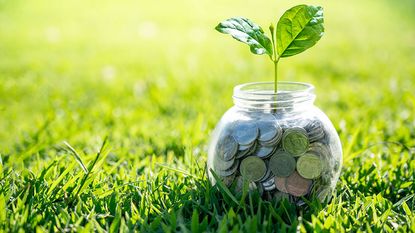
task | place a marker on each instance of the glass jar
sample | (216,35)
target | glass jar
(278,144)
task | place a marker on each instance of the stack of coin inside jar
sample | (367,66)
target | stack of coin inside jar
(280,159)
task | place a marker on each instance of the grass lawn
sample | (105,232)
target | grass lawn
(106,108)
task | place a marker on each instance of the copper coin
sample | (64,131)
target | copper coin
(280,184)
(297,185)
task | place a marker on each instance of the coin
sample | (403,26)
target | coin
(271,133)
(267,174)
(336,166)
(295,141)
(297,185)
(263,151)
(221,165)
(280,184)
(245,147)
(260,189)
(273,143)
(230,171)
(282,164)
(320,149)
(323,152)
(253,168)
(270,188)
(240,185)
(227,148)
(269,184)
(315,130)
(268,129)
(253,148)
(315,135)
(241,154)
(248,150)
(324,193)
(245,132)
(325,178)
(309,166)
(228,180)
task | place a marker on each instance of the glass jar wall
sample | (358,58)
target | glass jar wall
(280,145)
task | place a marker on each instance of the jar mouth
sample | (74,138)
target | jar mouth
(262,95)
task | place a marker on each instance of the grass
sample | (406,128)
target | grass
(106,110)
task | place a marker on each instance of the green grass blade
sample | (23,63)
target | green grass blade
(223,187)
(77,157)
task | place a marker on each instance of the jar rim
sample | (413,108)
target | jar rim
(307,88)
(262,95)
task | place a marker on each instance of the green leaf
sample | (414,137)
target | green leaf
(223,187)
(1,166)
(3,210)
(77,157)
(406,209)
(195,221)
(298,29)
(115,225)
(247,32)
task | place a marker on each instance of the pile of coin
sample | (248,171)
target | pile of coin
(279,159)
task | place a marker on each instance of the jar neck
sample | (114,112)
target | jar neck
(260,96)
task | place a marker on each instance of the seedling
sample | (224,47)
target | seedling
(298,29)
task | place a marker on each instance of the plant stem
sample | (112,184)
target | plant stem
(276,75)
(275,58)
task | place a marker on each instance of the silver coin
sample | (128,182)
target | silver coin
(267,174)
(248,151)
(260,190)
(312,123)
(270,188)
(273,142)
(221,165)
(326,177)
(320,148)
(245,132)
(230,171)
(227,148)
(245,147)
(315,130)
(316,136)
(269,182)
(240,185)
(323,152)
(268,128)
(324,193)
(252,149)
(241,154)
(263,151)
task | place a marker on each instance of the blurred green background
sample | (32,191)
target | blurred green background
(156,77)
(120,66)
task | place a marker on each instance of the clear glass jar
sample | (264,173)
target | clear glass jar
(280,145)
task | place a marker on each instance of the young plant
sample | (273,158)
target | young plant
(298,29)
